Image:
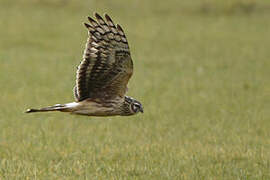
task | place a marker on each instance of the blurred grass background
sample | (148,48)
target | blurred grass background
(201,72)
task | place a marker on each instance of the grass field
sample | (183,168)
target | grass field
(202,72)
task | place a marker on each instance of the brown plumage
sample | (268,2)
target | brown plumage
(103,74)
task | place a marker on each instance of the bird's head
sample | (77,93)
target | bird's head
(132,106)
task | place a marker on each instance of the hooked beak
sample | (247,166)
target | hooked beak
(141,109)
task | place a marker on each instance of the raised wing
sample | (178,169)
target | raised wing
(107,65)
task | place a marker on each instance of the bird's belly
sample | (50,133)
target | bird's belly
(88,112)
(94,109)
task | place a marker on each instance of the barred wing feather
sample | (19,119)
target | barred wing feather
(107,65)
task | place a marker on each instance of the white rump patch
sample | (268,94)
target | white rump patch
(71,105)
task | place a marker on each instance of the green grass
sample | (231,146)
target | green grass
(201,72)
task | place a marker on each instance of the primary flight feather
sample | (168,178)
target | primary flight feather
(103,74)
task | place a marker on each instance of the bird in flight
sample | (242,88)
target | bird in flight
(103,74)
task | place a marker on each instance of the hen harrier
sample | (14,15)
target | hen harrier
(103,74)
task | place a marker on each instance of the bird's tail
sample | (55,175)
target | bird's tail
(57,107)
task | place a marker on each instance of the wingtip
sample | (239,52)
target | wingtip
(120,29)
(97,15)
(108,18)
(86,25)
(106,15)
(91,19)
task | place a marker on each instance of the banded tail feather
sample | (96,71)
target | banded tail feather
(56,107)
(103,74)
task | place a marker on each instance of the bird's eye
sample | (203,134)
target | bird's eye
(135,107)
